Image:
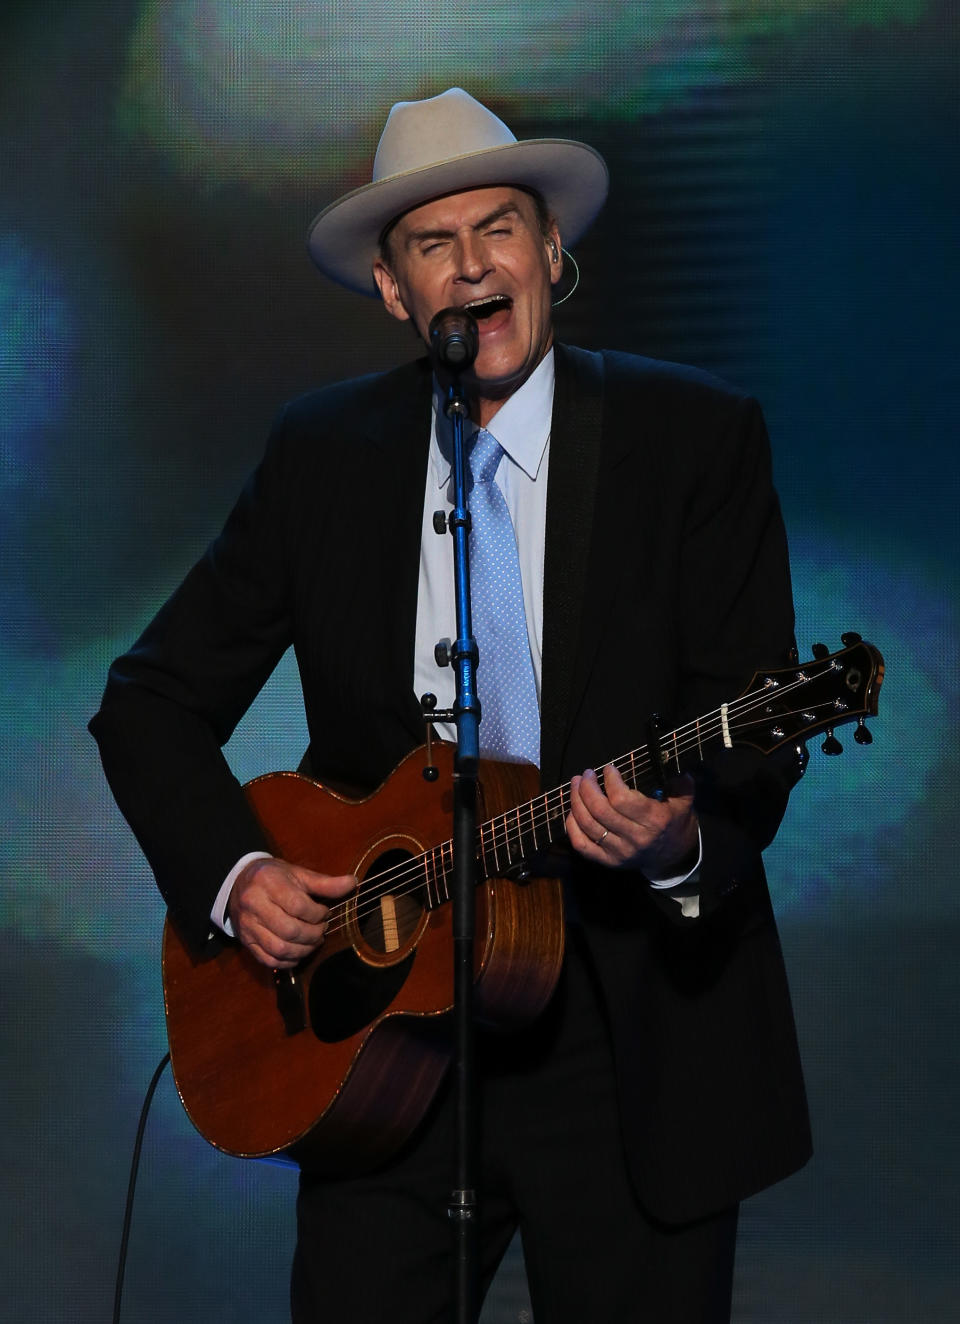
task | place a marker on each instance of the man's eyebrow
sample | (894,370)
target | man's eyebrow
(498,213)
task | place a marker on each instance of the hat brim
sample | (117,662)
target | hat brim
(571,177)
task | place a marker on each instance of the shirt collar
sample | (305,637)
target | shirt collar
(521,424)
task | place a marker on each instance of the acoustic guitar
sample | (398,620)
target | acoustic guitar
(338,1059)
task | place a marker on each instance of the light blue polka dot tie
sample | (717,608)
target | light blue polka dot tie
(510,720)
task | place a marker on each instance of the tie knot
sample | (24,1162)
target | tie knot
(485,456)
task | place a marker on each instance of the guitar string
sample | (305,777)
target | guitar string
(414,869)
(545,809)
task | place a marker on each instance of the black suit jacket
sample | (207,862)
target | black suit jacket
(665,586)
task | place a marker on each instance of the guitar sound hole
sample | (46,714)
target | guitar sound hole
(348,991)
(391,902)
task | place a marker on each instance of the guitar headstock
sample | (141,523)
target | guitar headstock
(794,703)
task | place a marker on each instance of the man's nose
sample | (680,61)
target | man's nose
(473,262)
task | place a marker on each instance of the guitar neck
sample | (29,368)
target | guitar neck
(506,843)
(779,707)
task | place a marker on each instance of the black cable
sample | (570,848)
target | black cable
(132,1185)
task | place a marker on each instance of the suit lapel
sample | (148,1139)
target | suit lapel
(575,454)
(400,432)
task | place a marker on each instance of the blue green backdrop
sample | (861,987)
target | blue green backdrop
(783,212)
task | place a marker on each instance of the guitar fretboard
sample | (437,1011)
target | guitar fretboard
(506,843)
(785,705)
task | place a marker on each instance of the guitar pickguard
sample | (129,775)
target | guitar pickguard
(352,988)
(347,994)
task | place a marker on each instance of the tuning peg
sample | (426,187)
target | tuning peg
(851,637)
(862,735)
(831,745)
(821,650)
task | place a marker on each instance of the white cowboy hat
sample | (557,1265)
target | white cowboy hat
(446,144)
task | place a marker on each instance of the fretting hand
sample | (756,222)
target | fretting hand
(624,829)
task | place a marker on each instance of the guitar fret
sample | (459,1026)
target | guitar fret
(526,839)
(507,819)
(499,843)
(446,857)
(549,817)
(488,850)
(511,836)
(502,850)
(524,815)
(533,823)
(516,850)
(492,866)
(482,836)
(564,801)
(429,873)
(439,888)
(435,873)
(543,835)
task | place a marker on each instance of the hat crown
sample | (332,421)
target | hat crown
(420,134)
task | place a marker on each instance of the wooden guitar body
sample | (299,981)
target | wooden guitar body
(339,1059)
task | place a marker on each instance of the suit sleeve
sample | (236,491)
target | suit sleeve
(174,699)
(736,618)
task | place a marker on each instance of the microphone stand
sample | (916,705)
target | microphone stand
(454,340)
(463,1206)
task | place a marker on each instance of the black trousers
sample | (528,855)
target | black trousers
(379,1247)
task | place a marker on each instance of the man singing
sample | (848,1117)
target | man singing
(632,561)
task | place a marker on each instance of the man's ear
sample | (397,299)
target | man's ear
(389,291)
(554,254)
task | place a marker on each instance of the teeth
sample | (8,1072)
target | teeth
(487,305)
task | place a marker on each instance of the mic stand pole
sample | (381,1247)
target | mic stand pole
(463,1209)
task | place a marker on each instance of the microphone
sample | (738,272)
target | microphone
(454,339)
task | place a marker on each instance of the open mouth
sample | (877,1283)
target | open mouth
(487,306)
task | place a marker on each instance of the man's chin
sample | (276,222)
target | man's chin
(496,388)
(492,384)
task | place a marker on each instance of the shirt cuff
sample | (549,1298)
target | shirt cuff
(661,884)
(219,911)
